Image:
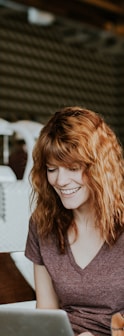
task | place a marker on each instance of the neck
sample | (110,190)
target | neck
(84,217)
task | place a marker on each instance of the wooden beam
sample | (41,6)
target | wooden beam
(106,5)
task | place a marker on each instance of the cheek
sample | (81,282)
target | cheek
(50,179)
(85,179)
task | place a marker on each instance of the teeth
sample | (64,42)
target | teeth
(69,191)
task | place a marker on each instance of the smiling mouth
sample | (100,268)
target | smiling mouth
(69,191)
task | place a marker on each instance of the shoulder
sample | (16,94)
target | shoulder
(32,223)
(48,243)
(118,247)
(120,240)
(33,227)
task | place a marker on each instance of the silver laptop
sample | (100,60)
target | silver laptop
(34,322)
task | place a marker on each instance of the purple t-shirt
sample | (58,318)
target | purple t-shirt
(89,296)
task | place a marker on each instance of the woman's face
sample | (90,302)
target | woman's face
(69,185)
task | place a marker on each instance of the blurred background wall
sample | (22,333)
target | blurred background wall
(51,61)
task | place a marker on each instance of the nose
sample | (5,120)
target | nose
(62,176)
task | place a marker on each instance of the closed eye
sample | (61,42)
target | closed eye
(51,169)
(74,168)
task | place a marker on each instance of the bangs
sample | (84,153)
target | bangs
(61,152)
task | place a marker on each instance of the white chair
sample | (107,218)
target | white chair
(5,131)
(14,207)
(6,174)
(14,218)
(25,129)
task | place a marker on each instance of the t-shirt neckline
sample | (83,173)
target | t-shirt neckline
(78,268)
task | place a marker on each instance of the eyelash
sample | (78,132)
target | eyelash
(74,169)
(51,170)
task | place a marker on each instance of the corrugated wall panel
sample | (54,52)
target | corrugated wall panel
(40,73)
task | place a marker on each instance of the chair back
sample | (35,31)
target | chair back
(15,194)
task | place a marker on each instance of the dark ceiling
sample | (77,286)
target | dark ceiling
(97,23)
(103,14)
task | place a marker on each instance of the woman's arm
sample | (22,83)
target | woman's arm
(46,297)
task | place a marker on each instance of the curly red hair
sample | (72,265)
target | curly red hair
(75,135)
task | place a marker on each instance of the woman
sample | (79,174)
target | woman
(76,232)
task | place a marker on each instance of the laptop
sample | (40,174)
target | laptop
(34,322)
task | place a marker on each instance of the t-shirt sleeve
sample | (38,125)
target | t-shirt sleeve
(32,250)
